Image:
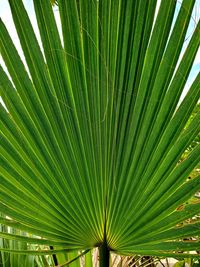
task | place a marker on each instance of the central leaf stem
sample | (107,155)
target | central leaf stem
(104,255)
(104,250)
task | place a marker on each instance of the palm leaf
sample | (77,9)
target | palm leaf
(93,131)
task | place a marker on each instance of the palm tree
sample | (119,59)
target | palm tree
(92,129)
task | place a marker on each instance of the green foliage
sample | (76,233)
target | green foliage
(92,135)
(179,264)
(17,260)
(196,140)
(187,262)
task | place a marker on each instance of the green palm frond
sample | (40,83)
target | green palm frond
(93,131)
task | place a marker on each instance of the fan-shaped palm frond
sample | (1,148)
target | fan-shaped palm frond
(93,131)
